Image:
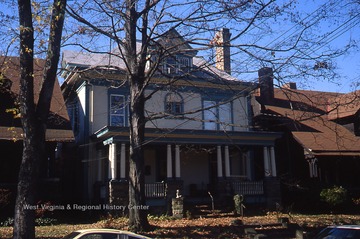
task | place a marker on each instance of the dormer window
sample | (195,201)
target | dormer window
(174,104)
(176,65)
(184,64)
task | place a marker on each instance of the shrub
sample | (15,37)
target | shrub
(334,196)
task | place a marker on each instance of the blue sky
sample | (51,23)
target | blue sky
(346,29)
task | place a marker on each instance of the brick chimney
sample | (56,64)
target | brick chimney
(266,83)
(222,43)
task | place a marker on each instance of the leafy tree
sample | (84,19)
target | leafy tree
(34,115)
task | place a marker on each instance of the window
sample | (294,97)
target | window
(117,110)
(210,115)
(101,236)
(225,116)
(217,115)
(169,66)
(176,65)
(183,64)
(174,104)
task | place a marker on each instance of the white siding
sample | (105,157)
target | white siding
(240,114)
(101,107)
(81,110)
(192,102)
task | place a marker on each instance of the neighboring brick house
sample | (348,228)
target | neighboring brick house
(58,133)
(317,148)
(212,149)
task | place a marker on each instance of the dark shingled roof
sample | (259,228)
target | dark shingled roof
(58,125)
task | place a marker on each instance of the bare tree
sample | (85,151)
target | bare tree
(34,115)
(122,23)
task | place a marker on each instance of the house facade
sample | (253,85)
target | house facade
(198,140)
(55,169)
(319,147)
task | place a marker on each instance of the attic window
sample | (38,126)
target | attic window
(176,65)
(184,64)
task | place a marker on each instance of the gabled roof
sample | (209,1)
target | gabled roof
(58,125)
(71,59)
(314,130)
(345,105)
(174,42)
(170,40)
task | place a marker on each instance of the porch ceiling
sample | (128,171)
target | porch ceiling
(184,136)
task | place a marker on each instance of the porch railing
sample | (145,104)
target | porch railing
(154,190)
(248,188)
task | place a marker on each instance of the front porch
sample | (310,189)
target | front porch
(159,195)
(197,165)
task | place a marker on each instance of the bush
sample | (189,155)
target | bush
(334,196)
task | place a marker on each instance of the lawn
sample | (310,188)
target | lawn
(206,226)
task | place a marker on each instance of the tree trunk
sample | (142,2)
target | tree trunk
(34,120)
(24,224)
(137,209)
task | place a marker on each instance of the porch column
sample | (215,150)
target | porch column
(177,162)
(267,170)
(122,162)
(109,160)
(313,167)
(219,162)
(99,159)
(273,161)
(112,158)
(227,162)
(169,162)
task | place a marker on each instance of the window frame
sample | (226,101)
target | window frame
(215,107)
(122,110)
(174,107)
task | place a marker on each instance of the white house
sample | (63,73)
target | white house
(198,137)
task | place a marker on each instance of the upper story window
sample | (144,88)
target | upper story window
(117,110)
(184,64)
(217,115)
(174,104)
(176,65)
